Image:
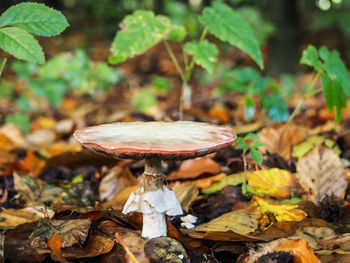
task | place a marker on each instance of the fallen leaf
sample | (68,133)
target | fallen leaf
(208,181)
(301,149)
(94,246)
(15,134)
(272,182)
(193,168)
(115,182)
(6,143)
(298,248)
(10,218)
(41,138)
(55,243)
(72,232)
(17,247)
(118,201)
(282,212)
(233,179)
(131,238)
(186,193)
(271,136)
(33,163)
(314,235)
(242,222)
(322,173)
(218,203)
(219,112)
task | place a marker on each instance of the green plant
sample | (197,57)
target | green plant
(335,80)
(143,29)
(249,143)
(249,82)
(19,22)
(48,84)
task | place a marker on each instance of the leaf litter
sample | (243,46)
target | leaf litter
(297,207)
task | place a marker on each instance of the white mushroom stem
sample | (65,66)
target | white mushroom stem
(153,199)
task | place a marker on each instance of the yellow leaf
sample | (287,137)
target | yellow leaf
(273,182)
(243,222)
(47,123)
(303,148)
(281,212)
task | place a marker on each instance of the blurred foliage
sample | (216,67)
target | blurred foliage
(41,85)
(249,82)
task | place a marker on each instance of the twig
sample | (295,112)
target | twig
(127,250)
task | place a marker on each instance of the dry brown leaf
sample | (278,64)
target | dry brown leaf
(193,168)
(119,201)
(235,225)
(322,173)
(115,182)
(271,136)
(272,182)
(131,238)
(14,217)
(71,231)
(15,134)
(95,245)
(313,235)
(186,193)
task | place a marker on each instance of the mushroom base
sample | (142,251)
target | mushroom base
(154,225)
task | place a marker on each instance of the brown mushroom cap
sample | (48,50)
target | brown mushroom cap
(164,140)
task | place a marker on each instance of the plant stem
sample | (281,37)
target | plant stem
(174,60)
(2,66)
(297,109)
(188,72)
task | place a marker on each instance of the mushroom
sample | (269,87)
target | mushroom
(153,142)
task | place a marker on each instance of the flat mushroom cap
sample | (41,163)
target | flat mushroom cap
(163,140)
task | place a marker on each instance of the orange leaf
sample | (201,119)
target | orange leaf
(193,168)
(55,243)
(299,249)
(33,164)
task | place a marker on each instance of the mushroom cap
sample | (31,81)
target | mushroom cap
(164,140)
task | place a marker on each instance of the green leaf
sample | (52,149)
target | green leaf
(144,100)
(336,69)
(21,44)
(257,144)
(242,147)
(240,140)
(178,33)
(276,108)
(310,58)
(230,26)
(256,156)
(35,18)
(204,54)
(334,95)
(140,31)
(251,136)
(19,119)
